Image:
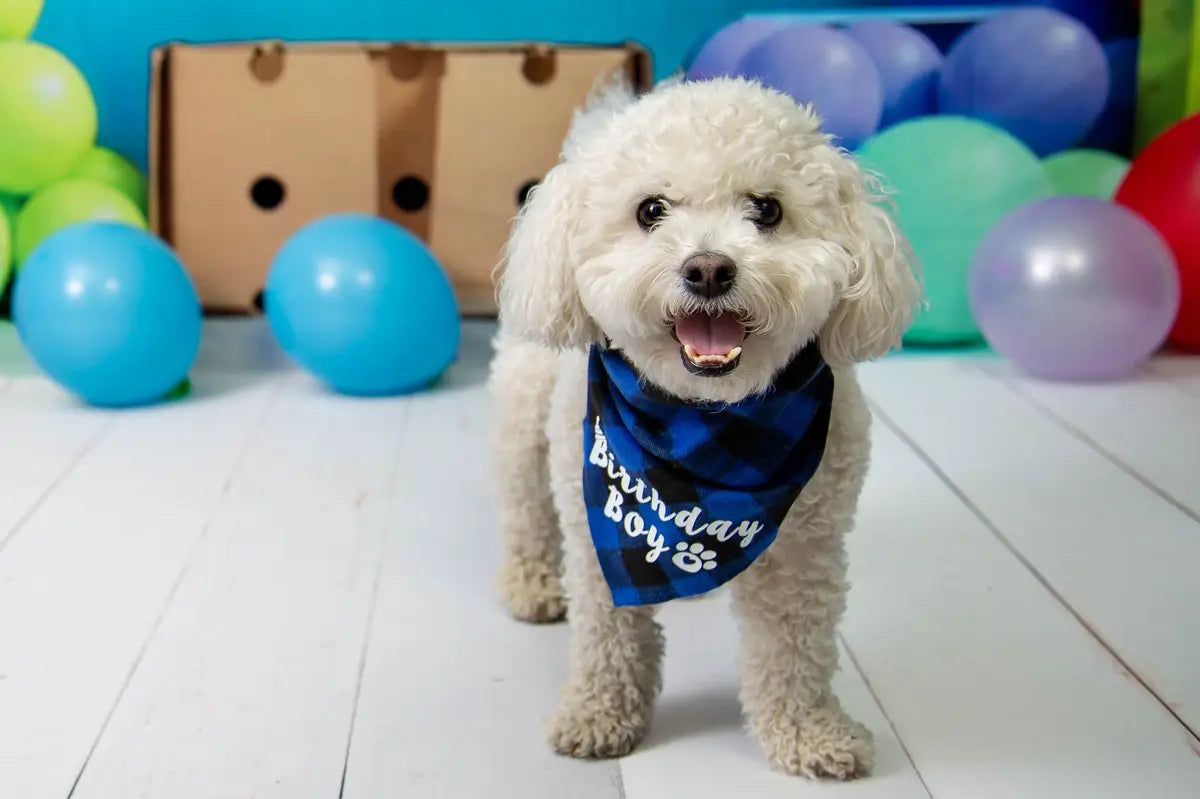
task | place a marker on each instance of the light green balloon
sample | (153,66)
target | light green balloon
(11,204)
(47,116)
(106,166)
(69,202)
(1090,173)
(18,18)
(951,178)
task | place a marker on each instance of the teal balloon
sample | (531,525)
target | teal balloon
(951,178)
(1086,173)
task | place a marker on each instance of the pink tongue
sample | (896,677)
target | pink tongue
(710,335)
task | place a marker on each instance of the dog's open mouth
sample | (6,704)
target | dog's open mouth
(710,344)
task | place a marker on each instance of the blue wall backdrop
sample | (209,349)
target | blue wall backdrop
(111,40)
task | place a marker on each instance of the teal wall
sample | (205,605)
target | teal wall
(111,40)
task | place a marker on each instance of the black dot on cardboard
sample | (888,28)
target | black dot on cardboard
(410,193)
(523,192)
(260,303)
(539,67)
(267,193)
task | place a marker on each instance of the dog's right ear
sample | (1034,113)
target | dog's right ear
(537,294)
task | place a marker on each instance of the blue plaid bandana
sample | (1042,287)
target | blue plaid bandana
(682,497)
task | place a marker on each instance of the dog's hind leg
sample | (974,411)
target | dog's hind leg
(521,383)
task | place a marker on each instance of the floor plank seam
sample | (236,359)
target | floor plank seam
(1096,446)
(887,716)
(36,505)
(202,535)
(1037,575)
(394,479)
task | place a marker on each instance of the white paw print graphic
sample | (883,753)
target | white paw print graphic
(692,558)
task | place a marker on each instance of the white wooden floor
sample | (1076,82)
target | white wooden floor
(266,591)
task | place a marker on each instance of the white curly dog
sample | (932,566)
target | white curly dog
(708,232)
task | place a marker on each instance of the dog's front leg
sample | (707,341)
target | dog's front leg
(614,671)
(789,604)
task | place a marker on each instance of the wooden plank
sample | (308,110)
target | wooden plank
(697,745)
(1148,427)
(42,437)
(248,685)
(454,692)
(83,583)
(1182,370)
(995,689)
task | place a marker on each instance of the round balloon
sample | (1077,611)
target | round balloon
(47,116)
(723,51)
(18,18)
(102,165)
(363,304)
(1090,173)
(1037,73)
(108,312)
(5,248)
(67,203)
(822,66)
(909,64)
(1163,185)
(951,179)
(1074,288)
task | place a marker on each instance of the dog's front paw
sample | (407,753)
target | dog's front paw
(824,743)
(588,727)
(532,591)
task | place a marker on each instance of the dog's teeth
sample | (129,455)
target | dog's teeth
(711,359)
(690,352)
(733,353)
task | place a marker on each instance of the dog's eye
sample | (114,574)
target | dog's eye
(767,213)
(651,211)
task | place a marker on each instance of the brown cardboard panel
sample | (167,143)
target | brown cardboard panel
(338,126)
(504,116)
(243,117)
(409,83)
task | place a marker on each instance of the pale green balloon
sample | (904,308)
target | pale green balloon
(951,179)
(106,166)
(1088,173)
(5,248)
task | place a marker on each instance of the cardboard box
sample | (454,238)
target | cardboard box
(249,142)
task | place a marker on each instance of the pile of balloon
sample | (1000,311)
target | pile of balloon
(1071,261)
(106,308)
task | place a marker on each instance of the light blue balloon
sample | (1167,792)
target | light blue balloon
(108,312)
(362,304)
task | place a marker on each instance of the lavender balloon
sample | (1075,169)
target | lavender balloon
(1074,288)
(819,65)
(726,48)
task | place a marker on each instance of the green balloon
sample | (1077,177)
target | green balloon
(1090,173)
(5,248)
(67,203)
(47,116)
(105,166)
(18,18)
(10,204)
(951,179)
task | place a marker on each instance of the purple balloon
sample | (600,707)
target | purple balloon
(822,66)
(1074,288)
(722,53)
(908,63)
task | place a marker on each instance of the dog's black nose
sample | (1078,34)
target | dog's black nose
(708,274)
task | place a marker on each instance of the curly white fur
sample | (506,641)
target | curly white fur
(579,269)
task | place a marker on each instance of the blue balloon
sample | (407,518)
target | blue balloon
(909,64)
(822,66)
(362,303)
(1036,73)
(108,311)
(725,49)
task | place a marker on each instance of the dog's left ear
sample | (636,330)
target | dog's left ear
(883,292)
